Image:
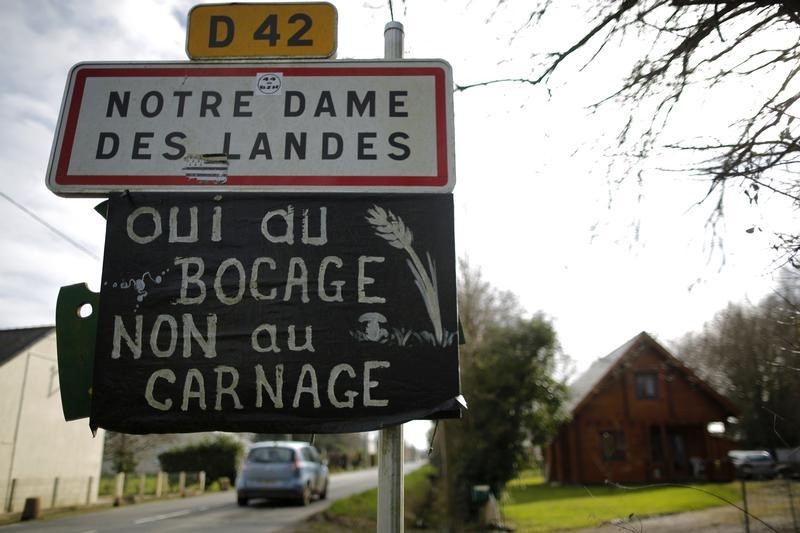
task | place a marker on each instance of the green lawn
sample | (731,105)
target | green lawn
(531,505)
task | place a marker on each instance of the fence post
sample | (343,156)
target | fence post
(10,506)
(119,488)
(744,504)
(89,491)
(182,484)
(201,480)
(32,509)
(142,481)
(791,503)
(55,493)
(159,481)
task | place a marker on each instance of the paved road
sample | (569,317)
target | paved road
(211,512)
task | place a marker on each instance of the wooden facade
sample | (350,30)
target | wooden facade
(639,415)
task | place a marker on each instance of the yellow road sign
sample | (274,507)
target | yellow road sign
(217,31)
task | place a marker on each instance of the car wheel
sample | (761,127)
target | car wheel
(241,501)
(305,496)
(324,493)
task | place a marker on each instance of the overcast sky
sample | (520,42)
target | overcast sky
(534,206)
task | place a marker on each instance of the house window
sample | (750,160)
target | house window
(612,444)
(646,385)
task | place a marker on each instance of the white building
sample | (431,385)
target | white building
(41,454)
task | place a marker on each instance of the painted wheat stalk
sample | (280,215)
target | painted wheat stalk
(392,228)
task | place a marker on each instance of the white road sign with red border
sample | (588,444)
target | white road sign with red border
(306,126)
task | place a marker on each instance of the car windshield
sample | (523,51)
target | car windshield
(271,455)
(759,458)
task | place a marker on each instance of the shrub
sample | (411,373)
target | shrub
(219,457)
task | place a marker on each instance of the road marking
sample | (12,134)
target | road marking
(165,516)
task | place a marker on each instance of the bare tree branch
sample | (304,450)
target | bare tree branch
(698,45)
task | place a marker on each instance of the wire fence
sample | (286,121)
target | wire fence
(772,505)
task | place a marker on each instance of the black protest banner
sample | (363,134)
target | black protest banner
(275,314)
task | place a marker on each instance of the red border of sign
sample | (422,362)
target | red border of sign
(439,180)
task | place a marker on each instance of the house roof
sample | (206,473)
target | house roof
(13,341)
(586,382)
(581,388)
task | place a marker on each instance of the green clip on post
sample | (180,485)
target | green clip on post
(75,339)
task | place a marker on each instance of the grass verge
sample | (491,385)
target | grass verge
(531,505)
(59,512)
(358,513)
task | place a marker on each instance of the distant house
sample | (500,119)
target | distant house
(41,454)
(639,415)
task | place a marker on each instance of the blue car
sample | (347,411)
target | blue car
(282,469)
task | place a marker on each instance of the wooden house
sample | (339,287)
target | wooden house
(639,415)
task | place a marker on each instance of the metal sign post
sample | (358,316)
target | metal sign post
(390,456)
(390,480)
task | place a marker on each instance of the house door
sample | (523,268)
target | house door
(680,459)
(657,461)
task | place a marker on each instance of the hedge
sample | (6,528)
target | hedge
(218,457)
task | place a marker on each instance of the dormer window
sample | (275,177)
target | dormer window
(646,385)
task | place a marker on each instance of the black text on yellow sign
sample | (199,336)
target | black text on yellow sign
(261,30)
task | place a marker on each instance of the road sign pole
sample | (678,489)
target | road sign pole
(390,480)
(390,445)
(393,40)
